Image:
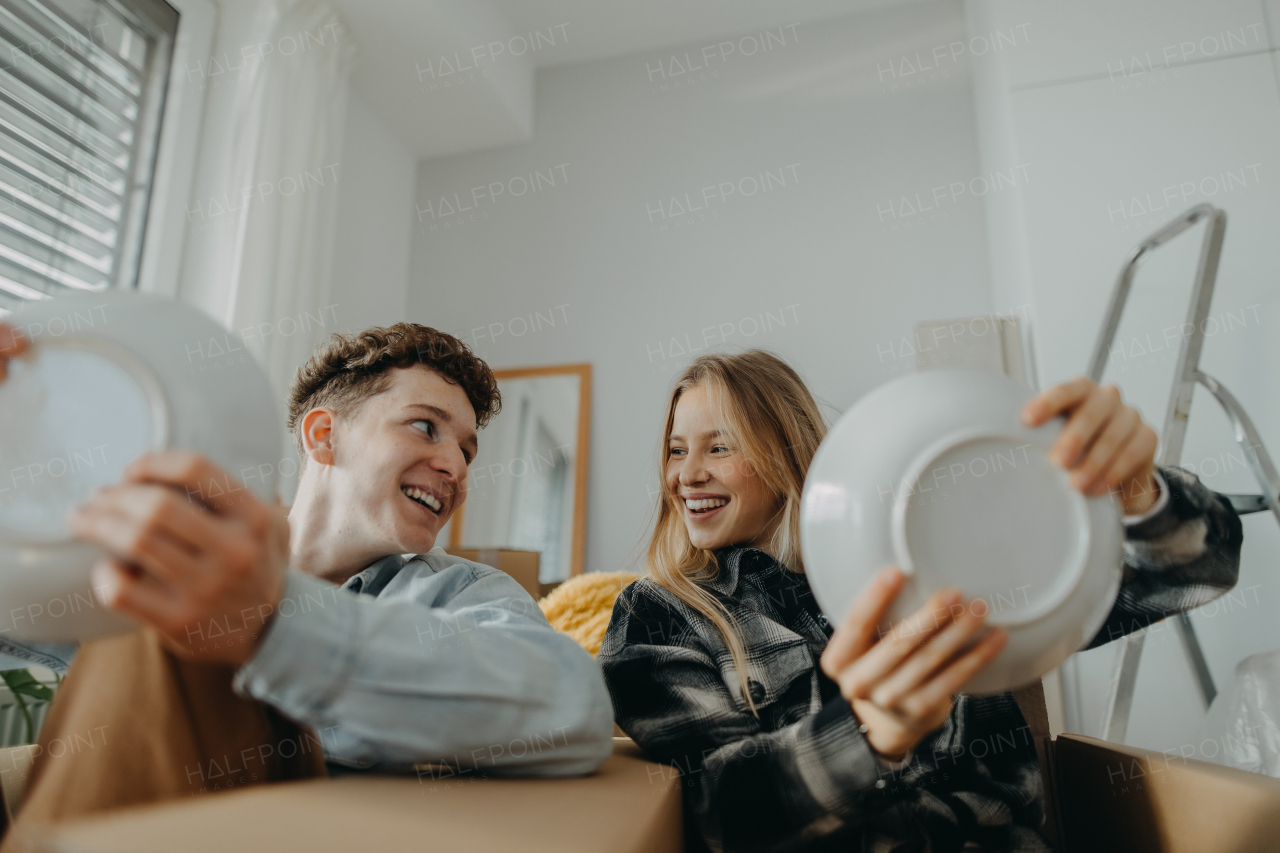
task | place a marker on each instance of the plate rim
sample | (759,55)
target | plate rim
(1067,582)
(159,410)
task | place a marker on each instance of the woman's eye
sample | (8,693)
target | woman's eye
(677,451)
(719,448)
(426,426)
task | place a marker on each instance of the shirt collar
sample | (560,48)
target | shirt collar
(733,562)
(375,578)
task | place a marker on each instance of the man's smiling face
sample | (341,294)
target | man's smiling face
(401,459)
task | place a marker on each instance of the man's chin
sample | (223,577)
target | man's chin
(411,539)
(418,544)
(417,533)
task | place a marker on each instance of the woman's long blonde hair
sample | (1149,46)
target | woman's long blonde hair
(766,413)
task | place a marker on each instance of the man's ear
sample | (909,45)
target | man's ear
(317,435)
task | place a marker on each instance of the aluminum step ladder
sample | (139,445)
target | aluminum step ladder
(1187,375)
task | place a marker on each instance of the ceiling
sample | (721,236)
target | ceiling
(599,29)
(437,72)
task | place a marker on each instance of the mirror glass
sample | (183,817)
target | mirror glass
(522,491)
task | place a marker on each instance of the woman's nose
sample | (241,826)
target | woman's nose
(692,474)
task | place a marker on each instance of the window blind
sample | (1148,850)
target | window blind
(82,87)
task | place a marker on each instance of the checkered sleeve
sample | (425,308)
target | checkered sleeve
(746,789)
(1183,557)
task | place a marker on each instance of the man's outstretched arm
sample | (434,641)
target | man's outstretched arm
(469,675)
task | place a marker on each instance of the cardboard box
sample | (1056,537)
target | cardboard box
(1121,799)
(1103,797)
(628,806)
(1100,797)
(521,565)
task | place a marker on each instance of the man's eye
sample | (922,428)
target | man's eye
(426,426)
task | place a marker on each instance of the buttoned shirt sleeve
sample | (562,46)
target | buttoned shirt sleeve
(1181,554)
(465,672)
(1162,502)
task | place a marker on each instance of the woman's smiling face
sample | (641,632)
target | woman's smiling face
(720,496)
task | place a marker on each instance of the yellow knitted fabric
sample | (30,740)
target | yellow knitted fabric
(581,606)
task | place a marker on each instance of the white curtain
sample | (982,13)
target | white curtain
(261,224)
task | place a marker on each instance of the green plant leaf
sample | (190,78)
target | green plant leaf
(22,682)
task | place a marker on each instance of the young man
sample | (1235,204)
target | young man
(319,619)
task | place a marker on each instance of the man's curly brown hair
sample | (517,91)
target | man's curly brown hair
(347,370)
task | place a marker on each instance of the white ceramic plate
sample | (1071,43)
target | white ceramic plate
(109,378)
(934,472)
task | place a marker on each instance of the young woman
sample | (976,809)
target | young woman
(794,734)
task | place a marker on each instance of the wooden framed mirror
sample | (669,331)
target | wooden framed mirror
(527,488)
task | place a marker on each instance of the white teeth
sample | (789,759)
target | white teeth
(706,503)
(422,497)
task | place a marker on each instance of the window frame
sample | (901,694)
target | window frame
(150,261)
(164,235)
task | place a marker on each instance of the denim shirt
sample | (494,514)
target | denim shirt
(424,659)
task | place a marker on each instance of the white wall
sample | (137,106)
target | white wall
(374,232)
(372,237)
(1109,105)
(620,281)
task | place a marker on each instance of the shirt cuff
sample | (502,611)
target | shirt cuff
(894,766)
(308,653)
(842,752)
(1158,507)
(885,764)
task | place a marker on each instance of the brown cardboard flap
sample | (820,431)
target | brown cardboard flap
(628,806)
(1030,699)
(521,565)
(1131,800)
(1051,829)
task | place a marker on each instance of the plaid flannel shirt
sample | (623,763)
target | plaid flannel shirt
(802,776)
